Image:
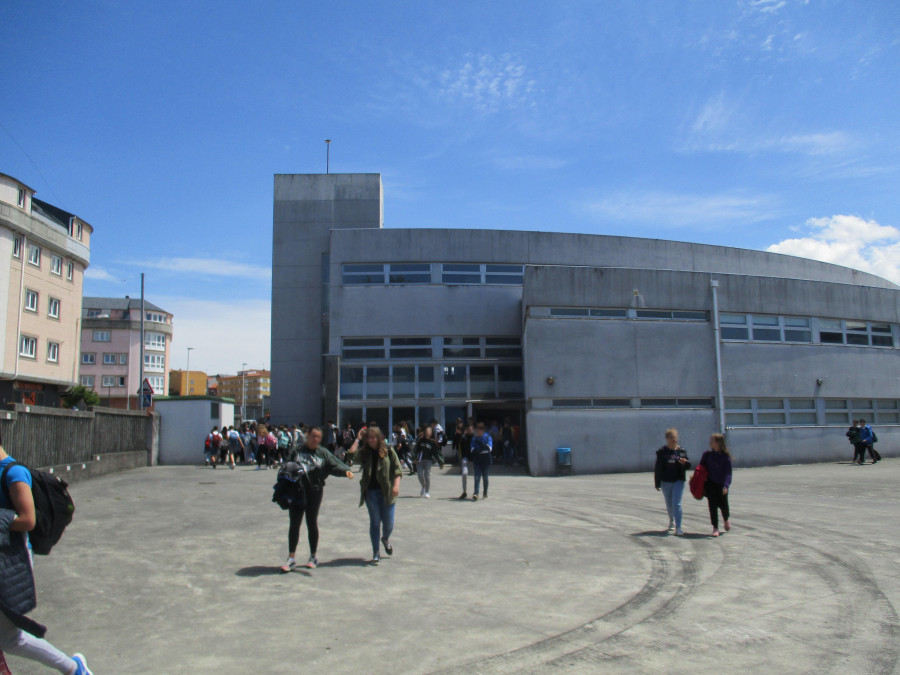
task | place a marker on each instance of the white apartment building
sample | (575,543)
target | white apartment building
(48,250)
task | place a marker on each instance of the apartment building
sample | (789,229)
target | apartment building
(48,250)
(111,349)
(187,383)
(250,384)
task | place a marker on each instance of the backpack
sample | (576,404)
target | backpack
(293,481)
(347,438)
(874,438)
(53,508)
(216,441)
(698,481)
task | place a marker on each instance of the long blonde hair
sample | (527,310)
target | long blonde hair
(382,450)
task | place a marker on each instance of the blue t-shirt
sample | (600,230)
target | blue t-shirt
(17,474)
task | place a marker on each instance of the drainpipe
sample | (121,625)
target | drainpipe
(18,344)
(720,397)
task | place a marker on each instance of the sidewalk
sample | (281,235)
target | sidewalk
(174,570)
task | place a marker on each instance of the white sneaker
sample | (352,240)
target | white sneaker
(679,532)
(289,565)
(312,563)
(427,496)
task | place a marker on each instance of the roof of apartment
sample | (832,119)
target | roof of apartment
(123,304)
(13,178)
(52,213)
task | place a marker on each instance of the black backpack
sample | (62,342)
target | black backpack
(347,438)
(53,508)
(293,481)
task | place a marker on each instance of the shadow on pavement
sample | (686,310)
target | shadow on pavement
(665,535)
(345,562)
(259,571)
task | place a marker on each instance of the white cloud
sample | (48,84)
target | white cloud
(722,125)
(767,6)
(208,267)
(94,273)
(224,334)
(675,209)
(488,83)
(850,241)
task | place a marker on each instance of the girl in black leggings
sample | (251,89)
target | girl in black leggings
(326,464)
(717,461)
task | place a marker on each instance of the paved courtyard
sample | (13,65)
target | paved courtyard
(174,570)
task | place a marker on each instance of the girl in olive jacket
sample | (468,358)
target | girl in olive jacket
(379,486)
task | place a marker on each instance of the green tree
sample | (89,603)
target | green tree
(80,393)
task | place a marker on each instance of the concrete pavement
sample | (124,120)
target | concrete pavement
(174,570)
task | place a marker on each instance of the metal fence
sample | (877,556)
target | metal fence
(44,437)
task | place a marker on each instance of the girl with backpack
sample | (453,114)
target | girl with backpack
(16,557)
(670,474)
(379,486)
(717,461)
(265,446)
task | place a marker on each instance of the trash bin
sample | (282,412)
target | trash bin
(564,460)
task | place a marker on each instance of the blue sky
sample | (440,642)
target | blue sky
(754,123)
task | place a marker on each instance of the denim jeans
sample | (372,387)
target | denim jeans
(482,470)
(381,518)
(673,491)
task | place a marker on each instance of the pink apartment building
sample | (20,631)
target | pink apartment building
(111,349)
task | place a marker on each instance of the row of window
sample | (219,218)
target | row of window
(456,381)
(801,329)
(633,403)
(353,349)
(428,273)
(764,412)
(109,359)
(32,304)
(118,382)
(151,340)
(386,416)
(151,317)
(35,254)
(28,348)
(620,313)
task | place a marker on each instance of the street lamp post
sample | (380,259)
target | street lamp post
(243,392)
(189,350)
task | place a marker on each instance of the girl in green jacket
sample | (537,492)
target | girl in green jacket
(379,486)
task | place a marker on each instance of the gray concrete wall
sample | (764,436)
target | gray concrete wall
(306,209)
(611,441)
(781,370)
(612,358)
(415,310)
(627,440)
(554,248)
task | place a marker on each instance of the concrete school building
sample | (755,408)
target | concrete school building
(595,343)
(47,251)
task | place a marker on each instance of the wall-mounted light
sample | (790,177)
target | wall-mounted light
(820,381)
(551,380)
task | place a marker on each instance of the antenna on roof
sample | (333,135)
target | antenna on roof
(327,155)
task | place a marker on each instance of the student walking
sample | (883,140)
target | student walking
(462,443)
(482,446)
(717,461)
(235,446)
(211,447)
(859,451)
(17,518)
(379,486)
(670,474)
(427,452)
(867,439)
(265,447)
(324,464)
